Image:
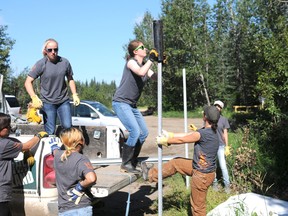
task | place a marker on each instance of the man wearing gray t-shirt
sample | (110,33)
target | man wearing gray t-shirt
(222,130)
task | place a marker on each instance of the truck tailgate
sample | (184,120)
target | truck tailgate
(109,177)
(110,180)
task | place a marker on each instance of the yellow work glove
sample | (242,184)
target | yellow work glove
(162,140)
(32,115)
(227,150)
(192,127)
(165,59)
(76,99)
(36,102)
(153,55)
(167,134)
(29,158)
(41,134)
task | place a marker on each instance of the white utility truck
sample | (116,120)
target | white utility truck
(34,188)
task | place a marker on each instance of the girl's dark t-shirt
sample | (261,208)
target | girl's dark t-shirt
(68,174)
(205,151)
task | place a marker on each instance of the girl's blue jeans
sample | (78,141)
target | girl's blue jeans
(50,113)
(134,122)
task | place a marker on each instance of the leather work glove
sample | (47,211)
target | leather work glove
(36,102)
(29,158)
(192,127)
(162,140)
(55,143)
(153,55)
(76,100)
(227,150)
(42,134)
(76,193)
(167,134)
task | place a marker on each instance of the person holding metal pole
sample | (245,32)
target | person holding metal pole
(135,74)
(201,168)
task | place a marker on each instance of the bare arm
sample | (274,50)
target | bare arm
(140,71)
(29,144)
(181,138)
(29,86)
(90,179)
(225,136)
(152,75)
(72,84)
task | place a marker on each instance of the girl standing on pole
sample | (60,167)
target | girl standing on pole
(135,75)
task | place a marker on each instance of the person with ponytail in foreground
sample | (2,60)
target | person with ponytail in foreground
(74,173)
(203,165)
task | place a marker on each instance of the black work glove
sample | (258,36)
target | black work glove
(153,55)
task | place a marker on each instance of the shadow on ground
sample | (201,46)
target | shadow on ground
(116,204)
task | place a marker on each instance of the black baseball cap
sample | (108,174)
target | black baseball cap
(211,113)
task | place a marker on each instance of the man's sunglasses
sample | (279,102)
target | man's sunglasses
(140,47)
(50,50)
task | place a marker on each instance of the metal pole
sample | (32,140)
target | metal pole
(160,192)
(158,44)
(185,119)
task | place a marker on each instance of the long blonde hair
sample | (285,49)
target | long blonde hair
(45,45)
(71,138)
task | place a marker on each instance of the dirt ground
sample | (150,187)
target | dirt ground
(142,194)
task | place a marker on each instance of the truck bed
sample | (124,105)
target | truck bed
(109,177)
(110,180)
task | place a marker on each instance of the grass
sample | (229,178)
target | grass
(176,114)
(243,166)
(176,199)
(197,113)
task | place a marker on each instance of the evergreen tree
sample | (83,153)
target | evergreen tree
(6,44)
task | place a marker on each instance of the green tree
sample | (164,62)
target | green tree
(221,66)
(18,85)
(102,92)
(187,42)
(143,31)
(272,40)
(6,44)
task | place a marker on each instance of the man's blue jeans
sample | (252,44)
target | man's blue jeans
(223,166)
(134,122)
(85,211)
(50,113)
